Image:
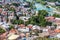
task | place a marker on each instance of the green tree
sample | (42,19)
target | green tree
(14,21)
(37,20)
(16,4)
(31,20)
(11,27)
(56,15)
(49,23)
(2,31)
(40,19)
(17,21)
(43,13)
(20,22)
(31,5)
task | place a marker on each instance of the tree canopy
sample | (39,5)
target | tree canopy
(43,13)
(2,31)
(11,27)
(17,21)
(16,4)
(40,19)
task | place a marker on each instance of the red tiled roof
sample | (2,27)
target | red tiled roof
(57,31)
(50,18)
